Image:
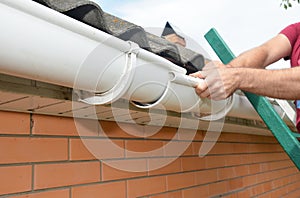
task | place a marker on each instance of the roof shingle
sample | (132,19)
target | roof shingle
(91,13)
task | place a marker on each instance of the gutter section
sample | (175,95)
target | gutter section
(41,44)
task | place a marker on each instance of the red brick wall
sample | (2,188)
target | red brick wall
(43,156)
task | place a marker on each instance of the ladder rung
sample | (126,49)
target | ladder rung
(297,135)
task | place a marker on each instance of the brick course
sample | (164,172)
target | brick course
(44,156)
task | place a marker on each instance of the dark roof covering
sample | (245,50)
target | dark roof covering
(91,13)
(168,30)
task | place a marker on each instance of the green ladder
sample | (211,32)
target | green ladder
(287,139)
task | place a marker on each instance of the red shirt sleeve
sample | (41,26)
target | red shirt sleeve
(292,32)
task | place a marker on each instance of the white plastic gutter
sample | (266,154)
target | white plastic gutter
(41,44)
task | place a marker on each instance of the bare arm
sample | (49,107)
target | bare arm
(246,73)
(265,54)
(283,84)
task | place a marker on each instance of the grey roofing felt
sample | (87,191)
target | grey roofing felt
(91,13)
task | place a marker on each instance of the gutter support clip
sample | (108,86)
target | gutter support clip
(120,87)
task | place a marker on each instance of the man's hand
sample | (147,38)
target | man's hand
(220,81)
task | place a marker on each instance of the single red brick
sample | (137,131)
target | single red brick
(231,196)
(62,126)
(215,161)
(256,190)
(293,194)
(146,186)
(206,176)
(107,190)
(235,137)
(88,149)
(176,194)
(14,123)
(241,170)
(226,173)
(189,151)
(193,163)
(267,186)
(15,179)
(249,180)
(78,150)
(217,188)
(279,165)
(235,184)
(293,186)
(262,157)
(65,193)
(161,166)
(178,148)
(223,148)
(144,148)
(164,133)
(254,168)
(233,160)
(199,191)
(20,150)
(182,180)
(120,130)
(245,193)
(123,169)
(65,174)
(276,193)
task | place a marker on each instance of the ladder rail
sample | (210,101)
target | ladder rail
(286,138)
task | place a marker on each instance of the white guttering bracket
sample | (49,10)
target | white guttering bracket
(153,104)
(175,77)
(188,81)
(217,115)
(120,87)
(287,110)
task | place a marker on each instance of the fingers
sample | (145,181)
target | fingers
(198,75)
(213,85)
(213,65)
(204,94)
(202,90)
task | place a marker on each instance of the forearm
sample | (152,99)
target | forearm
(283,84)
(264,55)
(254,58)
(246,73)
